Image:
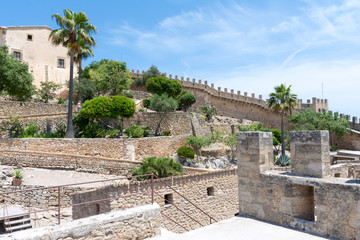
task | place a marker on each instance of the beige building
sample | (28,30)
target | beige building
(31,44)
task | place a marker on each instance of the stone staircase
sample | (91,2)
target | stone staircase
(14,218)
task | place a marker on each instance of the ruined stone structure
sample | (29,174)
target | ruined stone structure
(31,44)
(303,199)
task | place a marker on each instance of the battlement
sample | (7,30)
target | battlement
(317,104)
(354,121)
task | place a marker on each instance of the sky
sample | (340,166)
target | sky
(250,46)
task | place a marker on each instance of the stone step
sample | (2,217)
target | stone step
(17,228)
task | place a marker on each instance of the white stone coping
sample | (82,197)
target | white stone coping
(82,227)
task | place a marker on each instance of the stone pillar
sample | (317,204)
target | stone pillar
(310,154)
(254,153)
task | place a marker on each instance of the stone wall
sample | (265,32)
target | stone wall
(350,142)
(13,108)
(74,162)
(325,206)
(178,122)
(132,224)
(116,148)
(216,193)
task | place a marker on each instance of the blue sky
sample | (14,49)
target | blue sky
(244,45)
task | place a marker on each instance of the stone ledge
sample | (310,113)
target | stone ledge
(87,226)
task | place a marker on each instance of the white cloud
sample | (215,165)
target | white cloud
(256,48)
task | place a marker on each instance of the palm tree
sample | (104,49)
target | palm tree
(74,26)
(83,51)
(282,101)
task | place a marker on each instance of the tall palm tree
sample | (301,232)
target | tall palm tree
(83,51)
(74,26)
(282,101)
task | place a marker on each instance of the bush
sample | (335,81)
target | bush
(185,152)
(161,85)
(136,131)
(30,130)
(161,167)
(283,161)
(208,111)
(167,132)
(146,102)
(107,133)
(186,100)
(127,94)
(197,143)
(13,126)
(97,108)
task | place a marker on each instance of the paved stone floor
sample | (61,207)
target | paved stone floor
(240,228)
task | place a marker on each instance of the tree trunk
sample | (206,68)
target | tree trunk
(70,128)
(282,135)
(158,126)
(122,126)
(80,71)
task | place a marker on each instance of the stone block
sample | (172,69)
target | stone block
(310,154)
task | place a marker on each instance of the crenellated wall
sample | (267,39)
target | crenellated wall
(234,104)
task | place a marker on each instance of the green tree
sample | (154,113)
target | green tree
(110,77)
(282,101)
(97,108)
(231,141)
(73,27)
(15,79)
(161,167)
(83,51)
(186,100)
(152,72)
(163,105)
(310,120)
(197,143)
(123,107)
(160,85)
(47,90)
(86,88)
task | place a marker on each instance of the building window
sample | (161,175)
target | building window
(210,191)
(61,63)
(17,55)
(337,175)
(29,37)
(169,199)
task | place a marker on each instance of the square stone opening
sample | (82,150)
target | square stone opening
(169,199)
(210,191)
(303,202)
(337,175)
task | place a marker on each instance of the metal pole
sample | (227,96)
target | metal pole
(59,205)
(152,188)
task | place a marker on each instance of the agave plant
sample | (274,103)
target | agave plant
(283,160)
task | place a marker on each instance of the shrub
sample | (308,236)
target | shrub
(30,130)
(186,100)
(127,94)
(141,110)
(107,133)
(97,108)
(208,111)
(161,85)
(13,126)
(283,160)
(146,102)
(197,143)
(161,167)
(185,152)
(136,131)
(61,100)
(167,132)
